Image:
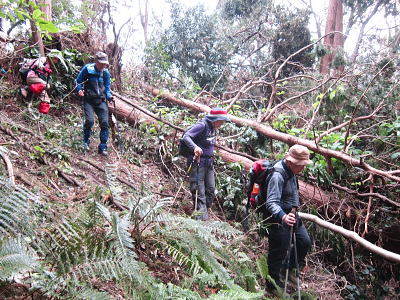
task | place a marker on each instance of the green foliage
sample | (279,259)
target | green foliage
(230,188)
(191,45)
(14,208)
(291,35)
(15,257)
(232,9)
(28,10)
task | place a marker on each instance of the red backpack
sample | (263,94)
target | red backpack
(260,172)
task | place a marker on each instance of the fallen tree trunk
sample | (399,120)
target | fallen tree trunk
(353,236)
(309,192)
(276,135)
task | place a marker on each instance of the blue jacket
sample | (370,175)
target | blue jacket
(282,193)
(96,84)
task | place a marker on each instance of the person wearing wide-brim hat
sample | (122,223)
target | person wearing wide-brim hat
(200,139)
(282,196)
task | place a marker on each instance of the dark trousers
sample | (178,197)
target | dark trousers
(101,111)
(278,240)
(202,180)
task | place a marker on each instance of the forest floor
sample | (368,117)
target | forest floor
(47,158)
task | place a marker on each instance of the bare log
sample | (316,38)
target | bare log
(353,236)
(276,135)
(308,191)
(9,166)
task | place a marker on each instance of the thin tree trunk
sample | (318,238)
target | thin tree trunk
(353,236)
(144,19)
(47,9)
(362,28)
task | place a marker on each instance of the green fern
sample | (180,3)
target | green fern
(112,182)
(171,291)
(14,207)
(15,257)
(182,259)
(237,293)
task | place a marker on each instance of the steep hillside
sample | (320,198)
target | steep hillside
(46,155)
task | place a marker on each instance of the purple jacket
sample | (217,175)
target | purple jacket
(201,134)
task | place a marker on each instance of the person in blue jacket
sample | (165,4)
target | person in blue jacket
(200,139)
(93,84)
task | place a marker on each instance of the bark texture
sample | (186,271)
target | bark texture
(334,41)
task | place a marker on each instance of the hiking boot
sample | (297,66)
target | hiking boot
(86,147)
(103,152)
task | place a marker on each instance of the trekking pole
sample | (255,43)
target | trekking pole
(288,253)
(246,217)
(116,125)
(197,183)
(83,118)
(296,261)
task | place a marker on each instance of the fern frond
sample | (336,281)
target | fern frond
(88,293)
(237,293)
(223,229)
(171,291)
(198,248)
(14,207)
(113,183)
(262,266)
(123,241)
(147,209)
(14,257)
(183,260)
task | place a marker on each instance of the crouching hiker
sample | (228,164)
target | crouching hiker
(93,84)
(200,140)
(35,75)
(288,239)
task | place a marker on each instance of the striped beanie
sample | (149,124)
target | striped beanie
(217,114)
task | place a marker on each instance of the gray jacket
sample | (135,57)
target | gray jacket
(282,193)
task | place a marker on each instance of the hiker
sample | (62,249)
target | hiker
(200,139)
(282,197)
(35,74)
(93,84)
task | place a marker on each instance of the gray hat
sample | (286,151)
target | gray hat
(102,58)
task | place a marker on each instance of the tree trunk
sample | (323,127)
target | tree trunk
(334,41)
(362,28)
(144,19)
(353,236)
(276,135)
(47,9)
(36,36)
(131,112)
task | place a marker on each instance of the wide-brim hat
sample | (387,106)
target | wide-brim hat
(101,57)
(218,114)
(298,155)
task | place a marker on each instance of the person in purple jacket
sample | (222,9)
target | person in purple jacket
(200,138)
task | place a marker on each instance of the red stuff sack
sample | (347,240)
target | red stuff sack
(37,88)
(44,107)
